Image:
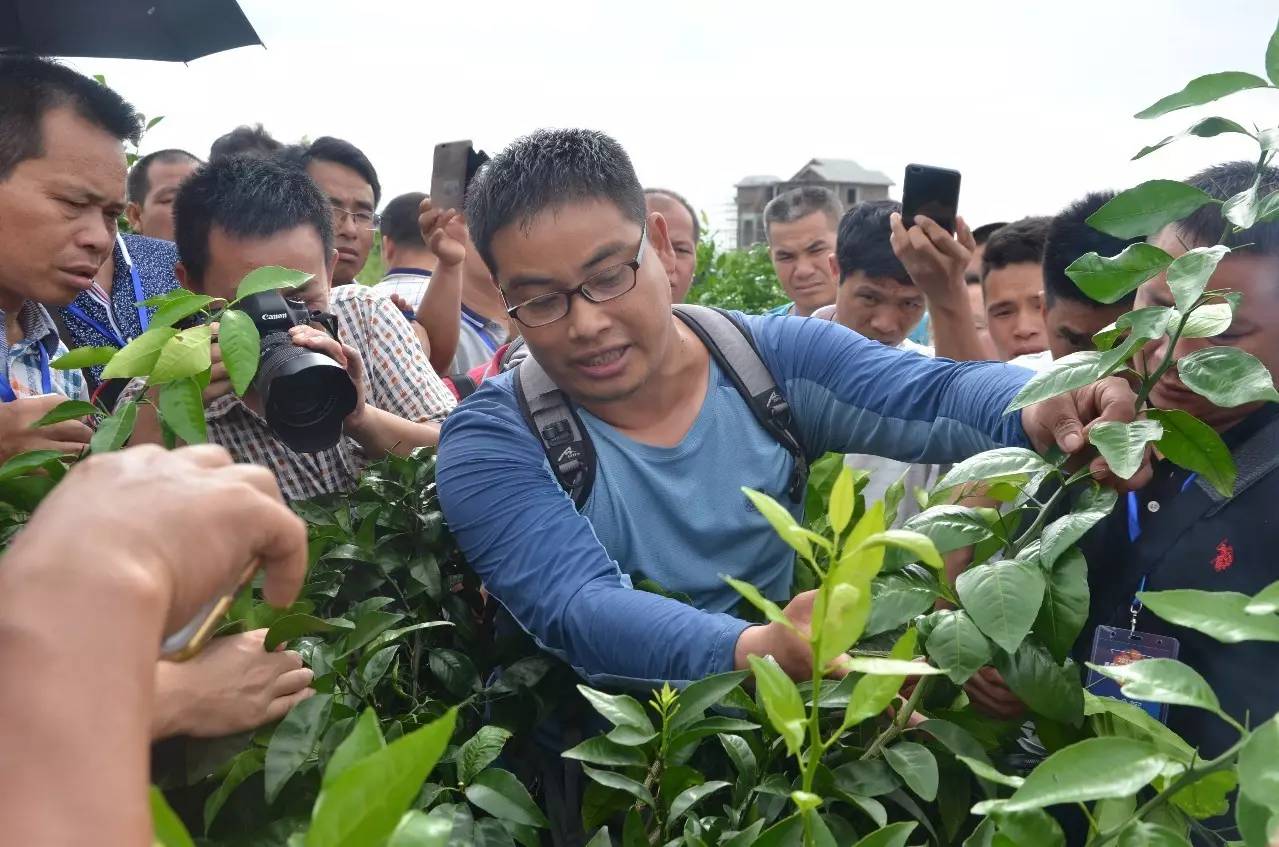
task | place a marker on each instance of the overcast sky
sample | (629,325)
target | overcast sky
(1032,101)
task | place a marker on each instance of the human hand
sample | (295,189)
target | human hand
(17,435)
(789,647)
(933,257)
(443,231)
(402,305)
(233,685)
(990,695)
(219,380)
(184,526)
(1064,421)
(344,354)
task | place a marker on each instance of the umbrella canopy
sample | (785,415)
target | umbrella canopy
(168,30)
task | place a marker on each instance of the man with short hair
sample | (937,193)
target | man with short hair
(1012,279)
(685,231)
(242,213)
(972,279)
(800,225)
(153,183)
(244,141)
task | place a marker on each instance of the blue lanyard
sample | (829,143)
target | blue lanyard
(46,377)
(138,296)
(1134,532)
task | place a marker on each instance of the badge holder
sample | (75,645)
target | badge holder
(1112,645)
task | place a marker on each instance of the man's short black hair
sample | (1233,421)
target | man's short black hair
(549,168)
(399,220)
(1203,228)
(1069,237)
(140,174)
(688,207)
(245,197)
(1014,243)
(982,233)
(863,245)
(800,203)
(326,148)
(244,141)
(31,86)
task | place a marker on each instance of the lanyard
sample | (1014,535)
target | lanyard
(1134,532)
(110,333)
(46,377)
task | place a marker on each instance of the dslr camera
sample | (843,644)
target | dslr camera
(306,395)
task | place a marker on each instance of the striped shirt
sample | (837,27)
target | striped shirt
(23,361)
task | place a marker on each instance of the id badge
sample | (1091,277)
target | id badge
(1118,646)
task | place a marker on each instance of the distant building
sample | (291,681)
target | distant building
(849,180)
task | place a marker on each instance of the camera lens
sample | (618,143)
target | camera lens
(306,394)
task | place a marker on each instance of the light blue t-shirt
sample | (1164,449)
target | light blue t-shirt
(677,514)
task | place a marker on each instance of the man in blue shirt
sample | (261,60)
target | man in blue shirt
(561,213)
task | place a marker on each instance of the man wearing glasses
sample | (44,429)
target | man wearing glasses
(561,214)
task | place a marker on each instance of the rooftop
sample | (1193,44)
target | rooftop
(844,170)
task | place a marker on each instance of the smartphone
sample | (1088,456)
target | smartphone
(449,174)
(190,639)
(932,192)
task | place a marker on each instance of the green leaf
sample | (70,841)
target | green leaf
(1207,797)
(1094,505)
(1195,446)
(455,670)
(1205,128)
(1143,834)
(185,354)
(179,307)
(985,770)
(840,614)
(771,610)
(1189,273)
(601,751)
(24,463)
(618,709)
(480,751)
(240,345)
(364,739)
(365,804)
(1272,57)
(782,522)
(83,357)
(897,599)
(166,825)
(1242,209)
(1142,325)
(781,700)
(1208,321)
(368,626)
(139,356)
(289,627)
(1045,686)
(1091,769)
(114,431)
(1220,614)
(1227,376)
(1066,374)
(1035,827)
(1005,464)
(950,527)
(1162,681)
(294,741)
(919,546)
(418,829)
(1253,820)
(893,835)
(690,797)
(71,410)
(616,781)
(956,644)
(699,696)
(1123,445)
(270,278)
(503,796)
(874,665)
(1065,608)
(182,409)
(1265,601)
(1138,212)
(1003,599)
(1203,89)
(243,766)
(872,693)
(842,498)
(1259,765)
(917,767)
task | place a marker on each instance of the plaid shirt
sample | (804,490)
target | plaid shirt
(22,361)
(397,379)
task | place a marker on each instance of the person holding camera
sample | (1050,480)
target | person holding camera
(364,389)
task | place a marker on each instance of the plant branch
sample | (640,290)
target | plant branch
(1148,384)
(1032,532)
(899,720)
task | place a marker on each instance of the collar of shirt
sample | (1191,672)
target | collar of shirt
(479,322)
(405,271)
(37,327)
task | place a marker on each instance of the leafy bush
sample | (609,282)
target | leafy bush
(735,279)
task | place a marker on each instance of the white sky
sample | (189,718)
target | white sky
(1031,101)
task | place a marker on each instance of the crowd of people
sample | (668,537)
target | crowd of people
(592,431)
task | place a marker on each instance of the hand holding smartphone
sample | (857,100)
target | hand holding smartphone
(931,192)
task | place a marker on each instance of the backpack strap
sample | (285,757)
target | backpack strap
(733,348)
(557,426)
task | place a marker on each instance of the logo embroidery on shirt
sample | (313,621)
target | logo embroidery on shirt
(1225,556)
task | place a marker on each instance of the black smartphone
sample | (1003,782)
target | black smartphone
(931,192)
(449,174)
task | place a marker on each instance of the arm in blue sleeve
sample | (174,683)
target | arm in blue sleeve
(854,395)
(541,559)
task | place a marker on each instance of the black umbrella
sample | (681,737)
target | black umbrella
(168,30)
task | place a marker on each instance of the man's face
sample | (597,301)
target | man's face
(347,190)
(231,259)
(1013,314)
(680,225)
(1072,324)
(801,251)
(153,216)
(58,212)
(977,305)
(880,308)
(599,352)
(1255,328)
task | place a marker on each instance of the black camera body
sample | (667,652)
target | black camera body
(306,395)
